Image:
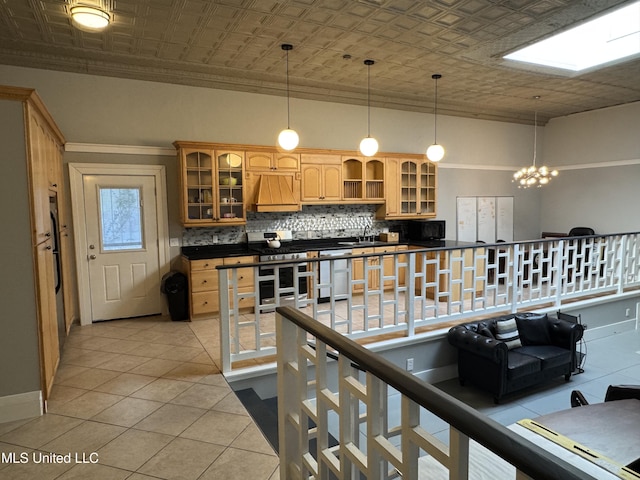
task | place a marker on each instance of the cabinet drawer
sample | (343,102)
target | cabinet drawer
(204,280)
(245,275)
(206,264)
(205,302)
(245,303)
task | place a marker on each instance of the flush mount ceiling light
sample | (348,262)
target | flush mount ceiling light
(532,176)
(288,138)
(609,39)
(90,18)
(435,152)
(369,145)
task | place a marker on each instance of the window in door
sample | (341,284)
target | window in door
(121,219)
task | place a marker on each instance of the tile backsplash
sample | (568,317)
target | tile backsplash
(313,221)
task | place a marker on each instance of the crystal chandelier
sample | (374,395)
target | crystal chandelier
(533,176)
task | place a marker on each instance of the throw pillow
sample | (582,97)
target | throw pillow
(507,332)
(533,328)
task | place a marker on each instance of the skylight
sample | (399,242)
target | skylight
(611,38)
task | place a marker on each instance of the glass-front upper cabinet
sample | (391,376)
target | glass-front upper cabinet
(427,190)
(230,194)
(417,188)
(211,185)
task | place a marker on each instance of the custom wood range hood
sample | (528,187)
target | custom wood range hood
(276,194)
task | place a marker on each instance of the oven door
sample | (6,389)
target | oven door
(285,280)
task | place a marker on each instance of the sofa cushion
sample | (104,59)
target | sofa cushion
(548,355)
(533,328)
(519,365)
(507,332)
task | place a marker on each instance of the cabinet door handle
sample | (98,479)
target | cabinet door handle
(204,281)
(48,234)
(205,302)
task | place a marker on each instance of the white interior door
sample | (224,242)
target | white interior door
(122,246)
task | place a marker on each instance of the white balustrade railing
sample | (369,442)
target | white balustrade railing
(334,419)
(402,292)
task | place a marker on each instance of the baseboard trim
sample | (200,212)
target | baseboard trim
(611,329)
(438,374)
(20,406)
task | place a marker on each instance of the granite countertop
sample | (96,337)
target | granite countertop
(201,252)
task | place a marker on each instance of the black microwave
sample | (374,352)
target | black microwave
(427,229)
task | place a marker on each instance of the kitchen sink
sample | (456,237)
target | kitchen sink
(361,243)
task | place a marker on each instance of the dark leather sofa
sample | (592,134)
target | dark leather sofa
(547,351)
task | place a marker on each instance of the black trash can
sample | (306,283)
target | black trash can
(175,287)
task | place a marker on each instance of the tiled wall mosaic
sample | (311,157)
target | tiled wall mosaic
(314,221)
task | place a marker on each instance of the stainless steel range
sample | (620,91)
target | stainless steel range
(264,243)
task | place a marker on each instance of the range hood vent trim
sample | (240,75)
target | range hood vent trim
(276,195)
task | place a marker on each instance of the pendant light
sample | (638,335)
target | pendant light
(369,145)
(288,138)
(435,152)
(533,176)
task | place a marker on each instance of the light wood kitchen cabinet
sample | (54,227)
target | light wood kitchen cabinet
(67,278)
(211,185)
(374,276)
(204,283)
(48,326)
(389,265)
(203,286)
(363,179)
(31,187)
(268,180)
(321,178)
(411,187)
(244,280)
(357,266)
(272,161)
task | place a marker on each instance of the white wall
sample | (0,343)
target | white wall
(599,186)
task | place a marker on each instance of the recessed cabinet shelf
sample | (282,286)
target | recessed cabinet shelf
(363,179)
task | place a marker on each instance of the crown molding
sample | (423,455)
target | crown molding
(119,149)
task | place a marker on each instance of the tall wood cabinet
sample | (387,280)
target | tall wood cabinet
(33,176)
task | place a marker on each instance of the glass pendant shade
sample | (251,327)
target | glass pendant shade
(435,152)
(288,139)
(369,146)
(90,17)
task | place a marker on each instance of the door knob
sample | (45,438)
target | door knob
(92,257)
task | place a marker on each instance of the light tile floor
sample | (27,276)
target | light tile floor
(143,399)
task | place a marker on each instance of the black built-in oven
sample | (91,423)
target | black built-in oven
(286,278)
